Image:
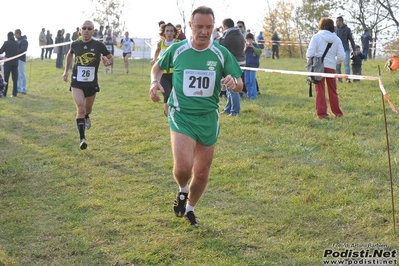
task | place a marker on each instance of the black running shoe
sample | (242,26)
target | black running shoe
(190,218)
(83,144)
(179,206)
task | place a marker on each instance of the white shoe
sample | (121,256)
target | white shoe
(83,144)
(87,123)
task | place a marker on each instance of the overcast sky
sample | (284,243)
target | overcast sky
(141,17)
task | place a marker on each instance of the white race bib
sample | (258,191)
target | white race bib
(109,47)
(199,83)
(85,74)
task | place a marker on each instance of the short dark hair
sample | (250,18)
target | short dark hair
(10,35)
(326,24)
(228,22)
(160,23)
(204,10)
(250,36)
(241,22)
(340,19)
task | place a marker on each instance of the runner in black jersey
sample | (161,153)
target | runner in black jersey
(84,86)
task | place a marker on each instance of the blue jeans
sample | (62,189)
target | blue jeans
(233,103)
(346,62)
(21,77)
(250,84)
(366,52)
(60,60)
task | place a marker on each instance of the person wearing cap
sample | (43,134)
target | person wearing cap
(181,35)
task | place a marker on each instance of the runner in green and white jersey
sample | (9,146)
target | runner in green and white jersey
(200,67)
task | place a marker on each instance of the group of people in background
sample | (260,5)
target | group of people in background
(15,46)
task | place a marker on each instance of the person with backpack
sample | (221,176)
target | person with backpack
(334,56)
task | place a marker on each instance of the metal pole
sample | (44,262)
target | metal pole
(389,157)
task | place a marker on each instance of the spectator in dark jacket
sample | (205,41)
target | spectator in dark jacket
(10,48)
(59,50)
(345,34)
(233,40)
(49,51)
(366,39)
(357,56)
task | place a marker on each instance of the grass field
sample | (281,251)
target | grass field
(284,186)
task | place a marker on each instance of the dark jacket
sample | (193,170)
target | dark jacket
(357,59)
(11,49)
(233,40)
(275,39)
(23,47)
(252,59)
(366,39)
(59,39)
(345,34)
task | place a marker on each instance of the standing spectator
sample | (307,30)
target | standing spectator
(23,47)
(241,26)
(84,82)
(335,54)
(100,33)
(181,36)
(260,40)
(110,42)
(252,56)
(275,45)
(49,39)
(10,48)
(199,65)
(357,56)
(233,40)
(42,42)
(366,39)
(128,45)
(59,51)
(75,34)
(345,34)
(168,36)
(66,47)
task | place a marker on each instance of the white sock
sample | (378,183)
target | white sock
(184,189)
(189,208)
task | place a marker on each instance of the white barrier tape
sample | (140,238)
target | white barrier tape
(44,46)
(328,75)
(11,58)
(55,45)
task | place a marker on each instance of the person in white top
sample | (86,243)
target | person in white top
(128,45)
(334,56)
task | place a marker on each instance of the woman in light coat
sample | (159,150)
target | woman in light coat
(334,56)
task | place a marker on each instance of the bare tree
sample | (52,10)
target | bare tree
(109,12)
(185,8)
(367,14)
(391,9)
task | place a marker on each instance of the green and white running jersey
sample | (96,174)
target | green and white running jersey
(197,75)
